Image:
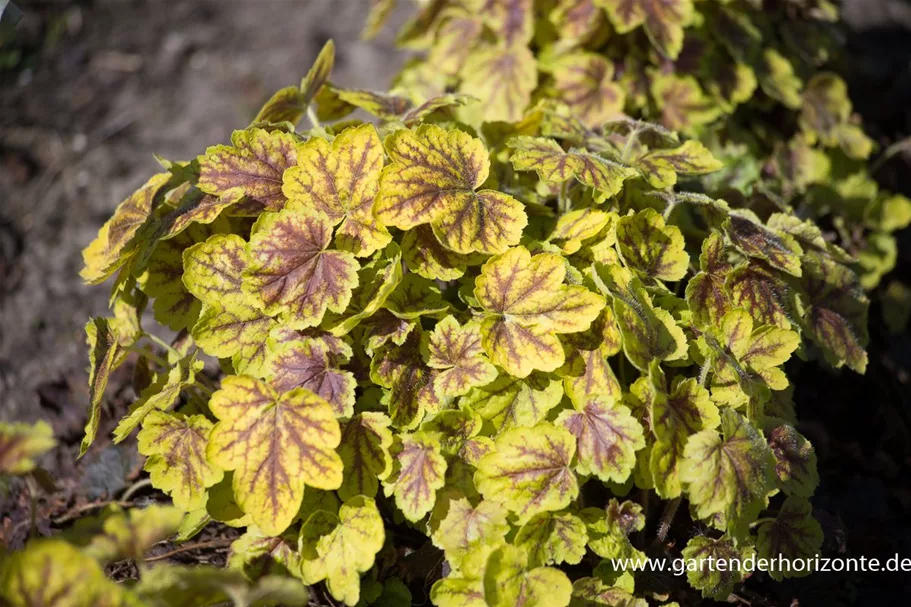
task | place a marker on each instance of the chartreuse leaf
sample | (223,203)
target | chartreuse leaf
(340,181)
(554,165)
(529,470)
(176,586)
(21,443)
(676,416)
(650,247)
(364,450)
(728,475)
(175,445)
(458,431)
(230,325)
(275,444)
(426,256)
(338,548)
(509,403)
(593,592)
(291,103)
(456,351)
(408,379)
(705,575)
(609,529)
(377,280)
(607,438)
(104,357)
(795,458)
(649,333)
(174,306)
(252,166)
(52,573)
(660,167)
(465,526)
(117,534)
(706,296)
(836,313)
(825,116)
(318,74)
(753,239)
(115,243)
(550,538)
(683,104)
(584,82)
(433,179)
(793,534)
(163,393)
(762,291)
(418,471)
(575,227)
(503,78)
(525,305)
(296,361)
(509,580)
(292,273)
(257,554)
(663,21)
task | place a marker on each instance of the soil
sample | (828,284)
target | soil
(91,89)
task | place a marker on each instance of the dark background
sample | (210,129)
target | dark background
(90,89)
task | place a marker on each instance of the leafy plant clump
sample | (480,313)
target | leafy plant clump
(753,80)
(481,358)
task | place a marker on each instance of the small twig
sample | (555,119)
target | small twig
(149,355)
(164,345)
(667,517)
(890,151)
(140,484)
(221,543)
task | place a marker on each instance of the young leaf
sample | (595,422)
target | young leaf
(433,178)
(418,472)
(728,475)
(609,529)
(275,444)
(340,181)
(456,351)
(577,226)
(510,403)
(713,581)
(650,247)
(793,535)
(257,554)
(291,271)
(753,239)
(425,256)
(21,443)
(706,296)
(553,165)
(251,166)
(529,470)
(649,333)
(239,332)
(550,538)
(607,438)
(795,459)
(510,580)
(763,292)
(339,548)
(526,305)
(175,445)
(661,167)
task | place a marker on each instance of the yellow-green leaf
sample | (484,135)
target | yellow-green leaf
(340,181)
(456,351)
(338,548)
(509,402)
(104,357)
(529,470)
(607,438)
(175,445)
(526,304)
(417,474)
(652,248)
(364,450)
(510,580)
(552,538)
(584,82)
(433,179)
(292,273)
(792,535)
(21,443)
(661,167)
(275,444)
(503,78)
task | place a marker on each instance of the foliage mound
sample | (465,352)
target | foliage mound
(496,340)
